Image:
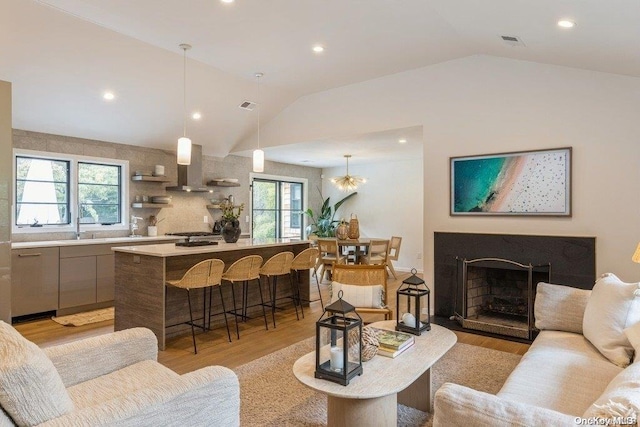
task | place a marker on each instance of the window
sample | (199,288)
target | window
(53,190)
(42,191)
(277,207)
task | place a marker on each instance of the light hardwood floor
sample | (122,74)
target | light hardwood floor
(255,341)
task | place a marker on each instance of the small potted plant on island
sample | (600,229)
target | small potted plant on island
(230,223)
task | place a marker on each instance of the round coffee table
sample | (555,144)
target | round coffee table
(371,399)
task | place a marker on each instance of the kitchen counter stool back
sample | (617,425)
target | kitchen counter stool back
(243,271)
(203,275)
(306,260)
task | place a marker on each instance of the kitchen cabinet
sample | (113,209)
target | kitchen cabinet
(86,275)
(34,280)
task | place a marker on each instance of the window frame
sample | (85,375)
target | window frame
(291,179)
(73,195)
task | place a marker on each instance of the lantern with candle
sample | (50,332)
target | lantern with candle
(339,343)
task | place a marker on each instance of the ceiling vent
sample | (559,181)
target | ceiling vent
(513,41)
(247,105)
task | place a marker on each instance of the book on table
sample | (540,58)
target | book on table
(393,353)
(393,340)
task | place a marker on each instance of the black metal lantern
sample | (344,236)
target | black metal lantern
(339,343)
(413,302)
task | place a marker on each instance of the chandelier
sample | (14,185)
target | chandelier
(348,182)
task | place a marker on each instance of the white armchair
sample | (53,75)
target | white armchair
(112,379)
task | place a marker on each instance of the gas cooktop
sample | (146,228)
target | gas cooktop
(190,243)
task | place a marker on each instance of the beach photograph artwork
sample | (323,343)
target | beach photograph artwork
(523,183)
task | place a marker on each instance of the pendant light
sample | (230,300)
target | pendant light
(258,154)
(348,182)
(184,143)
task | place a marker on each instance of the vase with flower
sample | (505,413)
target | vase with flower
(230,223)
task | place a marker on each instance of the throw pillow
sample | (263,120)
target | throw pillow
(633,335)
(369,296)
(560,308)
(612,307)
(31,390)
(621,398)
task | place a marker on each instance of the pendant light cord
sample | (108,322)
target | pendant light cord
(258,76)
(184,91)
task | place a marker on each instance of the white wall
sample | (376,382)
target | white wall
(389,204)
(484,104)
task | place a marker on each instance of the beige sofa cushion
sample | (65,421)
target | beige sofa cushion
(31,390)
(633,335)
(360,296)
(560,308)
(561,371)
(620,398)
(120,383)
(612,307)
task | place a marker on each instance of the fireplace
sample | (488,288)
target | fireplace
(498,295)
(486,283)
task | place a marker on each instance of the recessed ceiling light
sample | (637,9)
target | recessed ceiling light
(109,96)
(318,48)
(227,1)
(565,23)
(402,141)
(196,116)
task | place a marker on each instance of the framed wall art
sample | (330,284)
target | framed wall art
(520,183)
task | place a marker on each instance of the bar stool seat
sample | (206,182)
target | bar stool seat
(306,260)
(205,274)
(278,265)
(244,270)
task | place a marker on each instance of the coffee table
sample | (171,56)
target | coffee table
(371,399)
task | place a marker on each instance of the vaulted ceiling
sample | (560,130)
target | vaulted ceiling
(61,55)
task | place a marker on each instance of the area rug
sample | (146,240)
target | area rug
(270,395)
(85,317)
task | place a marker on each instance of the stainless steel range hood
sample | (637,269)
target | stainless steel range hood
(190,177)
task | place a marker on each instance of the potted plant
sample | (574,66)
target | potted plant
(324,224)
(230,223)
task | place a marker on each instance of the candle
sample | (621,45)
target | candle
(337,358)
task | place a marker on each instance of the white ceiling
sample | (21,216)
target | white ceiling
(61,55)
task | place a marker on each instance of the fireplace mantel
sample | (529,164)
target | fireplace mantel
(572,259)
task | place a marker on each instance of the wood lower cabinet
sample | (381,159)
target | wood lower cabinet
(105,277)
(34,280)
(86,275)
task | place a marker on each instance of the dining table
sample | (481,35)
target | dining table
(360,246)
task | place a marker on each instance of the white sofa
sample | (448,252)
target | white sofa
(564,379)
(112,379)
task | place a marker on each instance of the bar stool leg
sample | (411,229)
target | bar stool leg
(272,297)
(193,332)
(224,311)
(235,309)
(245,299)
(264,313)
(294,297)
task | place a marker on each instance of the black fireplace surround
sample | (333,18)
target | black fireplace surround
(571,260)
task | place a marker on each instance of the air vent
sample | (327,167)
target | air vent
(247,105)
(512,40)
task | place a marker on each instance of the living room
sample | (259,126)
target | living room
(469,102)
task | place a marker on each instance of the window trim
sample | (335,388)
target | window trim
(295,179)
(73,160)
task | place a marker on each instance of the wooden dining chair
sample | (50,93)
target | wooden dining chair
(365,276)
(377,254)
(329,255)
(394,253)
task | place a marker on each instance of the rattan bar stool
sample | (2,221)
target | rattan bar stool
(203,275)
(305,260)
(278,265)
(244,270)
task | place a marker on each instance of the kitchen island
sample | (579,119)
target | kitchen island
(142,298)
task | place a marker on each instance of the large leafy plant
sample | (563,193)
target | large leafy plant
(324,223)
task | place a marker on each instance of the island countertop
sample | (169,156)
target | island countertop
(165,250)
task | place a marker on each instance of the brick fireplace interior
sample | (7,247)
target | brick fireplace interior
(486,282)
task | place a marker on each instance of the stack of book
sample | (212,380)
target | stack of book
(393,343)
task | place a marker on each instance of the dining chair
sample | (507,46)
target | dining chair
(245,270)
(276,266)
(368,278)
(394,253)
(203,275)
(377,254)
(306,260)
(329,255)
